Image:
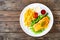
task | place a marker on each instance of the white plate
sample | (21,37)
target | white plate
(37,7)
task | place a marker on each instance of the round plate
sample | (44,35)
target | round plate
(37,7)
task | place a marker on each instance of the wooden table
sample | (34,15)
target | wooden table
(9,19)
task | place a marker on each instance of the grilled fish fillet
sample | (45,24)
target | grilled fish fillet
(43,23)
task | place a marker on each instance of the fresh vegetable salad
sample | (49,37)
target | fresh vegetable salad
(36,23)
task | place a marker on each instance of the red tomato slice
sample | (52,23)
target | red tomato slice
(35,15)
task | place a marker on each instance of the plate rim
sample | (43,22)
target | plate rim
(20,19)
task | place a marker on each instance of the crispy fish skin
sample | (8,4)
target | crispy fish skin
(43,23)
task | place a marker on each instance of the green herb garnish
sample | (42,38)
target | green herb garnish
(37,19)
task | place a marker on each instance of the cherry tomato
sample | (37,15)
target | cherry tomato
(43,11)
(35,15)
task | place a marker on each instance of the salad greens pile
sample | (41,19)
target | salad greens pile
(35,21)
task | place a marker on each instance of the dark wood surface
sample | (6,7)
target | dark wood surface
(9,19)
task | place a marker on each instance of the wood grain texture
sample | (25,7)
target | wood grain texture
(16,28)
(10,27)
(9,15)
(53,5)
(20,4)
(23,36)
(10,11)
(26,37)
(9,21)
(14,15)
